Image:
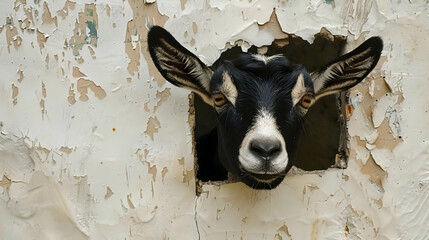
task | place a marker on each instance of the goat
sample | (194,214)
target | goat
(259,102)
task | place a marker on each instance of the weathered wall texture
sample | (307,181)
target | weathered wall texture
(94,144)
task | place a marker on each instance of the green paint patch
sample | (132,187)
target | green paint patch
(89,12)
(92,28)
(329,1)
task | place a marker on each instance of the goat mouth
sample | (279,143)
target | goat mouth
(264,177)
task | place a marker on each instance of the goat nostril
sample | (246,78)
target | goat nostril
(265,148)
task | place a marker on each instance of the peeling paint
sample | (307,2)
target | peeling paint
(383,105)
(66,150)
(152,127)
(85,31)
(41,38)
(72,96)
(151,170)
(360,126)
(12,37)
(47,17)
(109,193)
(21,75)
(162,96)
(163,172)
(82,88)
(14,94)
(188,176)
(77,73)
(64,12)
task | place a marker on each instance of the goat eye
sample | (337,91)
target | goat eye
(306,101)
(219,99)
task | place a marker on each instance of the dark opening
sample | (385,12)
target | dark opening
(323,141)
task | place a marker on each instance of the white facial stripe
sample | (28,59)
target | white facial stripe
(299,90)
(265,59)
(264,127)
(228,88)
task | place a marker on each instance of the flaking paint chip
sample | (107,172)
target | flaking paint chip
(151,170)
(71,98)
(77,73)
(162,96)
(21,75)
(82,88)
(181,161)
(194,27)
(130,203)
(47,16)
(64,12)
(109,193)
(188,176)
(108,10)
(65,150)
(41,39)
(14,94)
(163,172)
(285,230)
(152,126)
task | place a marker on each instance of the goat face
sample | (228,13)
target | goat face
(260,102)
(259,110)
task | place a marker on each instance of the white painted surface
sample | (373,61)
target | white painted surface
(116,162)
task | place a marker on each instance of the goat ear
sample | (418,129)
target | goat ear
(177,64)
(348,70)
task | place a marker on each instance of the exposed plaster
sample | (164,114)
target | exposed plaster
(85,31)
(83,85)
(162,96)
(14,94)
(153,125)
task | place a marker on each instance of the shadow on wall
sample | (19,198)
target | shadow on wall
(324,122)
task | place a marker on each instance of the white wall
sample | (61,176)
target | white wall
(94,144)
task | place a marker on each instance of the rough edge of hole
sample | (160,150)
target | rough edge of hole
(341,158)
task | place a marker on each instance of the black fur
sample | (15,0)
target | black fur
(259,86)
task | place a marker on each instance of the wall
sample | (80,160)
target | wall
(94,144)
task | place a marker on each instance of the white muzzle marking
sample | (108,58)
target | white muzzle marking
(264,127)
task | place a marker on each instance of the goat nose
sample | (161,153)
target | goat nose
(266,148)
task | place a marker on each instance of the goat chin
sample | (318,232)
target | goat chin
(256,182)
(261,181)
(273,166)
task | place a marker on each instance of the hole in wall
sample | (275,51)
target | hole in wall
(324,122)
